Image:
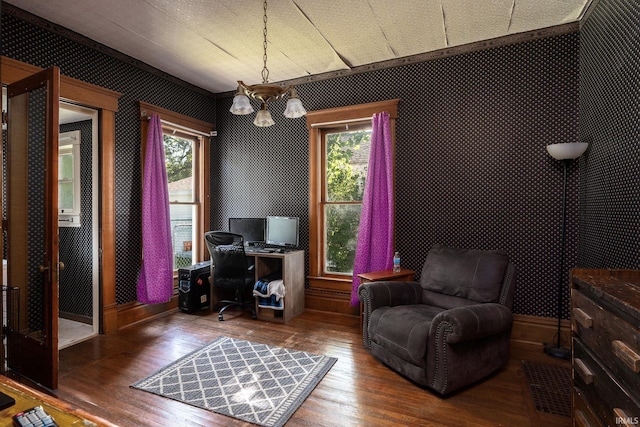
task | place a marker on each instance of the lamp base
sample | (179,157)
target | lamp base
(558,351)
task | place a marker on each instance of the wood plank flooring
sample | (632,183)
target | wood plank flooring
(95,375)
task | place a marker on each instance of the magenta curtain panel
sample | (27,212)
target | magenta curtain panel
(375,247)
(155,284)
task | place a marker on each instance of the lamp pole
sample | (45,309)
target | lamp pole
(558,350)
(566,152)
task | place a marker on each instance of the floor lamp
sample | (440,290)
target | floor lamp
(566,152)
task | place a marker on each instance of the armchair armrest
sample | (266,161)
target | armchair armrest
(472,322)
(379,294)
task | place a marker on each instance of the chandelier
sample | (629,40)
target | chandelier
(265,93)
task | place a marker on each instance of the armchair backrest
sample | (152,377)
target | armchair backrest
(229,264)
(453,277)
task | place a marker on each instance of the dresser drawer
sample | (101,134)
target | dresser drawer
(583,415)
(608,400)
(614,340)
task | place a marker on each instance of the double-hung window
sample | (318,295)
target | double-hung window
(339,142)
(180,154)
(186,149)
(345,157)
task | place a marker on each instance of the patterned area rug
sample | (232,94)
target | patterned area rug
(253,382)
(550,387)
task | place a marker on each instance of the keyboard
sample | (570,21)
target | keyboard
(259,250)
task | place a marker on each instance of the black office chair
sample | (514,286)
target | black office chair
(230,269)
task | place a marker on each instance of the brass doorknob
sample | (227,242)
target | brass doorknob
(61,265)
(42,268)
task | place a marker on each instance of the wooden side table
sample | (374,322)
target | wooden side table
(404,275)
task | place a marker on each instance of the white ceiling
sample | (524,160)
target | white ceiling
(214,43)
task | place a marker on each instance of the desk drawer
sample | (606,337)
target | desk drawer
(615,341)
(609,400)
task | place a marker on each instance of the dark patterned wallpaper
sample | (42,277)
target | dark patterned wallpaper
(610,122)
(472,169)
(76,243)
(27,39)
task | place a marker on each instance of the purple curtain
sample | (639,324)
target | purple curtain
(374,250)
(155,284)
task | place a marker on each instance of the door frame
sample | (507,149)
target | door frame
(106,102)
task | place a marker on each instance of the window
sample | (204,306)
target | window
(69,179)
(345,159)
(186,144)
(339,141)
(180,152)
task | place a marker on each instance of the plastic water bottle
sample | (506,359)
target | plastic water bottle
(396,262)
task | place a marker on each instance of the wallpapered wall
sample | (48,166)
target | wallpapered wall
(24,38)
(472,169)
(610,122)
(76,243)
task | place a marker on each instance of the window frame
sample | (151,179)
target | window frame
(323,201)
(194,128)
(70,217)
(316,122)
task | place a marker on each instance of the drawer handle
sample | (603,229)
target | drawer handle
(623,419)
(584,372)
(583,318)
(627,355)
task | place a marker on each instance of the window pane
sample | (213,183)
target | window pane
(182,235)
(65,195)
(65,165)
(347,157)
(341,235)
(178,153)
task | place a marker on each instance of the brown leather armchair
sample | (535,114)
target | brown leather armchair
(450,329)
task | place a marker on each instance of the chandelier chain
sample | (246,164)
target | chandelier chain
(265,70)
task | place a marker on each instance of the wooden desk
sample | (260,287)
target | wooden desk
(291,266)
(404,275)
(62,412)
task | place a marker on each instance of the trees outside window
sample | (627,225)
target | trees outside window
(180,151)
(186,149)
(346,157)
(339,140)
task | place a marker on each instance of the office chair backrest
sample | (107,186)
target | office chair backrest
(229,265)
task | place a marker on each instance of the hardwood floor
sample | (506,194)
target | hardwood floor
(95,375)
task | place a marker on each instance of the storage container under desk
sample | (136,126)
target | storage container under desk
(291,265)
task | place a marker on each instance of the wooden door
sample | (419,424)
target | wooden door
(32,225)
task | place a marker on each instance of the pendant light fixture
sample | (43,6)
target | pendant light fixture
(265,93)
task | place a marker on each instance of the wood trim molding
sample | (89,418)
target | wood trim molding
(107,101)
(352,112)
(71,89)
(134,312)
(316,120)
(146,110)
(540,330)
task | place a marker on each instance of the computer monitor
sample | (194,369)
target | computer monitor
(252,229)
(282,231)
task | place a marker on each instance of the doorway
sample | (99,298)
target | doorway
(78,225)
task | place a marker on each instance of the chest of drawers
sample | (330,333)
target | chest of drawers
(605,324)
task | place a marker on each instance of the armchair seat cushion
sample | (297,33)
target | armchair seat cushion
(403,330)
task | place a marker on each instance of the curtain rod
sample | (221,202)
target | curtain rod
(339,122)
(180,127)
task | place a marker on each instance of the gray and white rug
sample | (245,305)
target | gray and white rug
(250,381)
